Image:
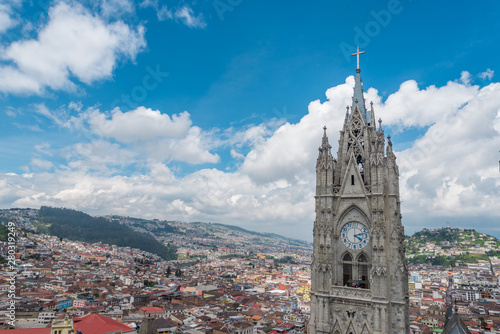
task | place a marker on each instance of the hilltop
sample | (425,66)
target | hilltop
(76,225)
(160,237)
(450,247)
(203,236)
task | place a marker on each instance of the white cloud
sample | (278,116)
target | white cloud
(154,135)
(191,149)
(488,74)
(465,77)
(119,139)
(116,8)
(34,128)
(14,81)
(99,155)
(130,137)
(73,43)
(59,117)
(162,13)
(11,112)
(141,124)
(42,164)
(76,106)
(161,173)
(44,148)
(236,155)
(6,19)
(185,14)
(411,106)
(292,148)
(450,169)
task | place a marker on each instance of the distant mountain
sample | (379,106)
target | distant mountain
(450,247)
(201,235)
(268,235)
(153,235)
(76,225)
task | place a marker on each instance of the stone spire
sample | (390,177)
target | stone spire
(390,153)
(324,142)
(346,119)
(324,166)
(357,97)
(325,154)
(372,114)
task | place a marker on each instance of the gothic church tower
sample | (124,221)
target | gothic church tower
(359,271)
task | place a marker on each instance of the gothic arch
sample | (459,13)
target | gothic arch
(346,212)
(358,258)
(356,138)
(344,254)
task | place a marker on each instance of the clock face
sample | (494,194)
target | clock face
(355,235)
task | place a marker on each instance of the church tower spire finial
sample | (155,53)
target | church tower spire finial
(324,143)
(357,97)
(357,53)
(372,114)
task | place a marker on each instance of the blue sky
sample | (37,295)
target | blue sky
(213,110)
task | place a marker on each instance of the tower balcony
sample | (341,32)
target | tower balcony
(351,293)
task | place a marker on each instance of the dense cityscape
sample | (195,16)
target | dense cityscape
(223,288)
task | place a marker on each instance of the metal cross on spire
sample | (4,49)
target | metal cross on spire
(357,56)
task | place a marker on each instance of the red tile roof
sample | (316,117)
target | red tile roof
(98,324)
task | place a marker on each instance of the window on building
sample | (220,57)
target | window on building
(347,270)
(363,271)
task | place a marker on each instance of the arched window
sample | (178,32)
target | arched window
(347,270)
(363,271)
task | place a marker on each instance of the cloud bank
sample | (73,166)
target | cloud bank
(449,172)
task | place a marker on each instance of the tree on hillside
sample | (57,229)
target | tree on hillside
(76,225)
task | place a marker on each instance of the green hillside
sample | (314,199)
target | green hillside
(76,225)
(449,247)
